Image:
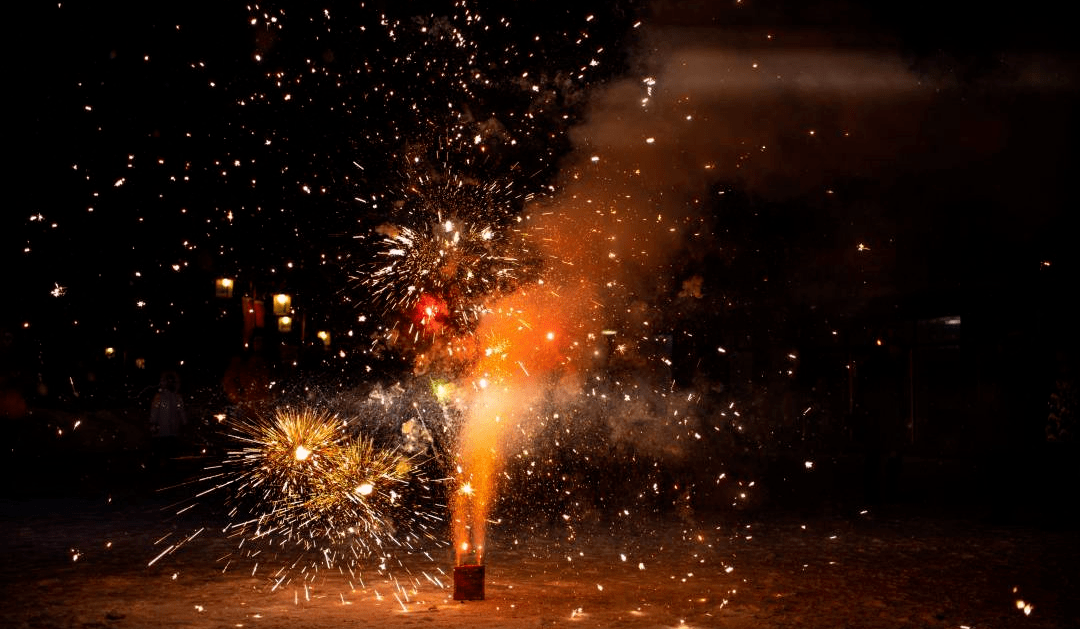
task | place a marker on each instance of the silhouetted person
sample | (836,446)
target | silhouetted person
(167,418)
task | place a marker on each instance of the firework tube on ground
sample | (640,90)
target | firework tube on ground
(469,568)
(469,582)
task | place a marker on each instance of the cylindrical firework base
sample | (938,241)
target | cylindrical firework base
(469,583)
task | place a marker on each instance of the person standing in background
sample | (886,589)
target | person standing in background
(167,417)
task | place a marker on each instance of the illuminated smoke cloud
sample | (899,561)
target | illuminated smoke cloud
(633,200)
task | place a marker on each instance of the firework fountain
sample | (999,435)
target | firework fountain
(516,307)
(511,303)
(529,347)
(547,284)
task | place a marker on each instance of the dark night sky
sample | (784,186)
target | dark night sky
(219,139)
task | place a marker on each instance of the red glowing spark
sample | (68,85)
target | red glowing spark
(431,313)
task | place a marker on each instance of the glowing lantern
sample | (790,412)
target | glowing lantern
(223,287)
(282,304)
(284,324)
(324,336)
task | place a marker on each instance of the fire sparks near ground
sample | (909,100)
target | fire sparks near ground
(304,488)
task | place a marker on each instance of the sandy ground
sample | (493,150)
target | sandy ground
(84,563)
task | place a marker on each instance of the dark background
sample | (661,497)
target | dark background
(152,150)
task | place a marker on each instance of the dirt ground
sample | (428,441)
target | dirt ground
(82,562)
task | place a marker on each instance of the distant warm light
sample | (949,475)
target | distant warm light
(224,287)
(302,453)
(323,336)
(880,342)
(282,304)
(110,352)
(284,324)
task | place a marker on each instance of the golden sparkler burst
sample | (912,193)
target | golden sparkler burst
(365,493)
(287,460)
(288,455)
(306,482)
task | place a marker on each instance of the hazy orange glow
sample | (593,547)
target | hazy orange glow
(604,241)
(527,342)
